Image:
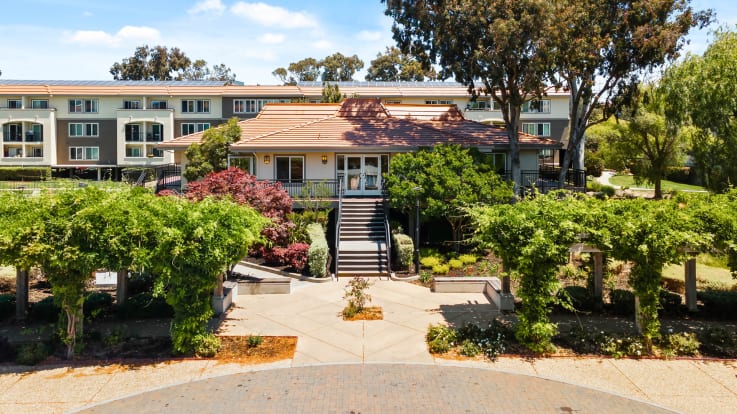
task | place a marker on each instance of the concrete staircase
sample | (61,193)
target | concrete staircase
(362,246)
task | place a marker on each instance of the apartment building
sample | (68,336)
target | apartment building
(109,125)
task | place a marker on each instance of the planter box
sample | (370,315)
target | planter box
(489,286)
(252,285)
(220,304)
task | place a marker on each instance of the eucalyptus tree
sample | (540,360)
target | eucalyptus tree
(601,48)
(503,46)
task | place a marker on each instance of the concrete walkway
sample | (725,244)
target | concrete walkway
(351,366)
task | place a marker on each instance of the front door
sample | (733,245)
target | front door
(362,174)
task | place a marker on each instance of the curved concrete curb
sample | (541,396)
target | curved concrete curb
(380,388)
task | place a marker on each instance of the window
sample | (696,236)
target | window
(132,104)
(495,106)
(134,152)
(290,168)
(158,104)
(36,134)
(40,104)
(78,129)
(253,106)
(537,106)
(478,106)
(156,134)
(83,106)
(196,106)
(439,102)
(36,153)
(498,160)
(541,129)
(15,104)
(244,163)
(393,101)
(192,127)
(84,153)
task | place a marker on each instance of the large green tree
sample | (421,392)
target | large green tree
(601,47)
(211,155)
(338,67)
(162,63)
(503,45)
(703,90)
(393,65)
(447,179)
(648,141)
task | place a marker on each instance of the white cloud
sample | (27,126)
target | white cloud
(87,14)
(273,16)
(322,44)
(368,36)
(124,35)
(215,7)
(271,38)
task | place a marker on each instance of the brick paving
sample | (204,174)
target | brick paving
(376,388)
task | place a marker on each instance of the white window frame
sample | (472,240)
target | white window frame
(132,104)
(195,127)
(135,148)
(84,153)
(543,106)
(393,101)
(157,104)
(538,129)
(254,106)
(478,105)
(84,129)
(16,103)
(232,161)
(289,157)
(195,106)
(438,102)
(40,103)
(84,106)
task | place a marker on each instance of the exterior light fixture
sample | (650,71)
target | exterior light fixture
(324,158)
(267,159)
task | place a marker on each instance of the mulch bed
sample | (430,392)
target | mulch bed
(272,348)
(369,313)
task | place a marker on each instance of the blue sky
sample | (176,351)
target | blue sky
(81,39)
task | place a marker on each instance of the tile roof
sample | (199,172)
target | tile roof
(357,124)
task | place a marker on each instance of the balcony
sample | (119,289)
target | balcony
(154,137)
(546,179)
(34,137)
(133,137)
(12,138)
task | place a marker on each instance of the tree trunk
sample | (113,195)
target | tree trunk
(21,293)
(658,189)
(121,291)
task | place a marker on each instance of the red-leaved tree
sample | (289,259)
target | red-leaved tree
(268,198)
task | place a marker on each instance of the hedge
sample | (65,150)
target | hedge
(721,304)
(7,306)
(25,173)
(317,255)
(404,247)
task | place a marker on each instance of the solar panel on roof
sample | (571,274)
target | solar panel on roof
(109,82)
(379,84)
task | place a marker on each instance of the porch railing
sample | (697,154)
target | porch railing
(387,228)
(338,218)
(311,188)
(546,179)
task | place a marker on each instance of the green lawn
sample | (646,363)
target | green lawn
(705,275)
(59,183)
(629,181)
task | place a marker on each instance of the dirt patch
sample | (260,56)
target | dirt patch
(369,313)
(240,349)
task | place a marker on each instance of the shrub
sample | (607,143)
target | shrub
(602,189)
(275,255)
(425,276)
(139,282)
(670,302)
(7,306)
(318,253)
(718,303)
(255,340)
(623,301)
(680,344)
(455,264)
(25,173)
(577,296)
(430,251)
(719,342)
(32,354)
(441,269)
(146,305)
(440,338)
(7,350)
(467,259)
(206,345)
(296,256)
(356,294)
(593,164)
(430,261)
(404,247)
(96,303)
(679,174)
(45,310)
(469,348)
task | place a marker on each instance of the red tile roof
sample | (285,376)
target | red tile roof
(359,124)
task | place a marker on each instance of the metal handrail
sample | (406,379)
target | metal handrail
(339,217)
(387,229)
